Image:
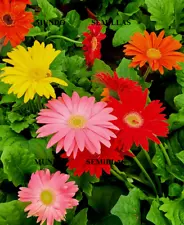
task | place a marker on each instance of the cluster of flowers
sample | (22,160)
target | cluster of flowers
(80,127)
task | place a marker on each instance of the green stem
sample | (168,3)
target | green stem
(65,38)
(165,154)
(145,173)
(119,177)
(152,167)
(38,101)
(147,73)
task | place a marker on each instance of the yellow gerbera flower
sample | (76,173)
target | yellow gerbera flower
(30,73)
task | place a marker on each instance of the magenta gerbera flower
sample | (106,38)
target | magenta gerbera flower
(77,123)
(49,196)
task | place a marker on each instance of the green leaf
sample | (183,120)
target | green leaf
(180,76)
(179,15)
(8,99)
(171,91)
(13,213)
(124,71)
(155,215)
(4,88)
(80,218)
(84,25)
(100,66)
(84,182)
(176,120)
(173,210)
(131,8)
(36,31)
(180,156)
(38,148)
(109,220)
(73,18)
(162,12)
(99,203)
(177,171)
(159,162)
(128,207)
(179,101)
(175,190)
(48,11)
(124,33)
(18,162)
(19,126)
(13,116)
(5,133)
(60,62)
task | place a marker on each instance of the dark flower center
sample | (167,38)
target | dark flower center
(7,19)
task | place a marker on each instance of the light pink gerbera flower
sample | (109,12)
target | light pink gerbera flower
(50,195)
(77,123)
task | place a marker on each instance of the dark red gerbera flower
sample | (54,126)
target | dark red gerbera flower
(137,121)
(92,43)
(94,164)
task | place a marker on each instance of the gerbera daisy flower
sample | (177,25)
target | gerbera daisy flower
(32,75)
(15,22)
(49,196)
(77,123)
(93,163)
(158,52)
(92,43)
(114,83)
(21,1)
(137,121)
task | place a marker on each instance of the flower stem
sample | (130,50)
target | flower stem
(122,178)
(145,173)
(152,167)
(165,154)
(147,73)
(65,38)
(39,104)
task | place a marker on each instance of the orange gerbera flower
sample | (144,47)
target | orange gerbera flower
(159,52)
(15,22)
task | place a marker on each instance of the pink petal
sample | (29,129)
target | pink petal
(58,136)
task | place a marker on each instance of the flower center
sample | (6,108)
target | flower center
(94,43)
(38,73)
(134,120)
(47,197)
(153,53)
(77,121)
(7,19)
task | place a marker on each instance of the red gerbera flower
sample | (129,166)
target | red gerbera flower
(116,83)
(15,22)
(92,43)
(94,164)
(21,1)
(137,121)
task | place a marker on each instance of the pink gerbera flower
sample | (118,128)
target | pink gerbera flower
(77,123)
(50,195)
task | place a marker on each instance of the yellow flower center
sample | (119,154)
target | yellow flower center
(94,43)
(7,19)
(153,53)
(77,121)
(47,197)
(38,73)
(134,120)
